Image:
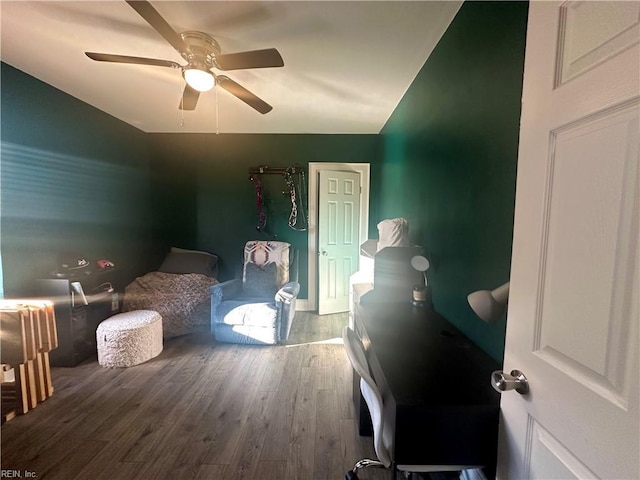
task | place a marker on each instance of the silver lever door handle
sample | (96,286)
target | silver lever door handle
(502,382)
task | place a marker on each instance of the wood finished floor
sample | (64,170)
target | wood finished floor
(200,410)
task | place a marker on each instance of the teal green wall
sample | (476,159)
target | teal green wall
(449,155)
(73,180)
(211,202)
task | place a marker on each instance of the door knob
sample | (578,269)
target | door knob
(323,252)
(502,382)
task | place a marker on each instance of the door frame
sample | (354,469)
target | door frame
(364,170)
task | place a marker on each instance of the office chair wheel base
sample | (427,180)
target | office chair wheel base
(351,475)
(364,463)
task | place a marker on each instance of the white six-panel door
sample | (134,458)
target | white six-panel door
(573,320)
(338,238)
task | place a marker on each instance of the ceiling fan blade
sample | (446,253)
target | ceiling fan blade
(243,94)
(189,98)
(107,57)
(266,58)
(153,18)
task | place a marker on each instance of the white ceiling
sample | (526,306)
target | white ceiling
(347,64)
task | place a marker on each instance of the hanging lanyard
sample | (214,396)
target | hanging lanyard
(262,218)
(293,216)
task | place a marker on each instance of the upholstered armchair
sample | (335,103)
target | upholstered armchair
(258,308)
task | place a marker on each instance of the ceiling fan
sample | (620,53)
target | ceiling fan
(202,53)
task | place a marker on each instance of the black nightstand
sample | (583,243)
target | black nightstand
(76,321)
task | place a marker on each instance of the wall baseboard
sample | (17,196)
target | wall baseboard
(302,305)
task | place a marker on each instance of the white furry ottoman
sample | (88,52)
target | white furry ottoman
(129,338)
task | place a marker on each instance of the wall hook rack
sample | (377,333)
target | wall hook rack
(266,169)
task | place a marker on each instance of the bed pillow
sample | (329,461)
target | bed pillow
(186,250)
(260,282)
(190,262)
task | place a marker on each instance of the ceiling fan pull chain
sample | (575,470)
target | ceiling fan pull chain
(181,93)
(217,117)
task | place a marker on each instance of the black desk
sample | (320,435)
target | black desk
(434,382)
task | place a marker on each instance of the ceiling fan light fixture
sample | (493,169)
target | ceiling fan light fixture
(199,79)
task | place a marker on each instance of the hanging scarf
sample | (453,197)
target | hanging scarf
(262,217)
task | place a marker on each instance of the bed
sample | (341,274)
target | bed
(178,291)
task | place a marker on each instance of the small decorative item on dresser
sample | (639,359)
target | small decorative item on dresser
(421,296)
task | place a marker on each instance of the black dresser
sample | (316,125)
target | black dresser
(76,322)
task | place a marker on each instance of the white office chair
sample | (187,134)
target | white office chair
(382,436)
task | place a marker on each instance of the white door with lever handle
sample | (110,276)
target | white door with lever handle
(503,382)
(574,317)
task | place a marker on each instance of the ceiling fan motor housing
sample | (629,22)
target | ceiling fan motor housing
(204,50)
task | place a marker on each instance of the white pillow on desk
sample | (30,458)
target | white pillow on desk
(393,232)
